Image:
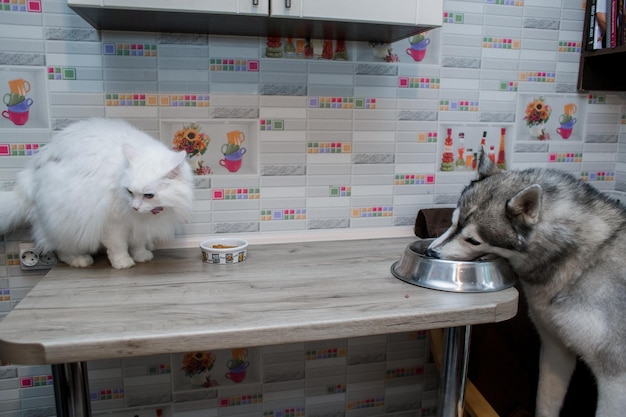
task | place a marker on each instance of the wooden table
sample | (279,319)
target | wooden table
(282,293)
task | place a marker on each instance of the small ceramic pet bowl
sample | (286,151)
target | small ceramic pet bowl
(224,250)
(416,268)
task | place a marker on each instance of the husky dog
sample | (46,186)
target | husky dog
(566,242)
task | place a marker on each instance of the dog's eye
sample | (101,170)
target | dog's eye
(148,196)
(472,241)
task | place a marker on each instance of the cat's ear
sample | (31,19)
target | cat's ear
(130,152)
(177,159)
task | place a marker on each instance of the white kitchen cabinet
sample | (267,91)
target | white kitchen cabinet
(403,12)
(358,20)
(259,7)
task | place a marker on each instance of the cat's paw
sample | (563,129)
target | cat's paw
(143,255)
(122,261)
(77,261)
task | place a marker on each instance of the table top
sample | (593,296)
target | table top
(283,293)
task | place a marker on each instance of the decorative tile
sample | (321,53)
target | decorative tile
(376,211)
(130,49)
(20,149)
(329,147)
(597,176)
(458,105)
(233,64)
(565,157)
(453,17)
(419,82)
(339,191)
(236,194)
(267,124)
(537,76)
(283,214)
(414,179)
(427,137)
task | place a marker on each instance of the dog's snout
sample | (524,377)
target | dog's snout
(432,253)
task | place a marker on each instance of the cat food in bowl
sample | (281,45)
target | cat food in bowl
(416,268)
(224,250)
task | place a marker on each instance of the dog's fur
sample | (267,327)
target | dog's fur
(566,242)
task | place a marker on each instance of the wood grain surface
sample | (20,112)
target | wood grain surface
(282,293)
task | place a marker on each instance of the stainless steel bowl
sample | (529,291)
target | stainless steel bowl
(457,276)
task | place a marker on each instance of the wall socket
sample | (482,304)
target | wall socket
(32,259)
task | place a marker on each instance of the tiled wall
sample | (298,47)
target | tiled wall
(332,144)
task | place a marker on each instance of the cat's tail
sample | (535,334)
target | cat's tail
(13,211)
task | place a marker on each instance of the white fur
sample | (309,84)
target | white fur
(90,188)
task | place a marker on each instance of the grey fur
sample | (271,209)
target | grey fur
(566,242)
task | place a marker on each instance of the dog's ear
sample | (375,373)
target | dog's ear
(486,167)
(526,205)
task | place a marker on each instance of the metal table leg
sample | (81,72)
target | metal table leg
(453,371)
(71,389)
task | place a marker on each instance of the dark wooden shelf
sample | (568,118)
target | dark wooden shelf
(601,69)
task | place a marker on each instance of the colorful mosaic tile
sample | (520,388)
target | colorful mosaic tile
(59,73)
(20,149)
(370,402)
(324,353)
(414,179)
(598,176)
(234,64)
(342,103)
(107,394)
(5,293)
(403,372)
(453,17)
(266,124)
(35,381)
(501,43)
(506,2)
(31,6)
(158,369)
(565,157)
(287,412)
(339,191)
(377,211)
(569,46)
(537,76)
(329,147)
(185,100)
(243,399)
(336,389)
(458,105)
(283,214)
(427,137)
(164,100)
(13,259)
(508,86)
(130,49)
(236,194)
(596,99)
(419,82)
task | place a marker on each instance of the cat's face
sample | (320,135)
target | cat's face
(154,180)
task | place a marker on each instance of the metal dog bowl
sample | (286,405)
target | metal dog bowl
(457,276)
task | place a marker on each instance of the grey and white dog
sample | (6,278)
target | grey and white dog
(566,242)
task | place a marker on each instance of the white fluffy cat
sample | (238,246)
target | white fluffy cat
(100,184)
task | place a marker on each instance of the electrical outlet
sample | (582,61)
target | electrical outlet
(32,259)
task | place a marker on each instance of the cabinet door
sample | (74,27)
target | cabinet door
(250,7)
(404,12)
